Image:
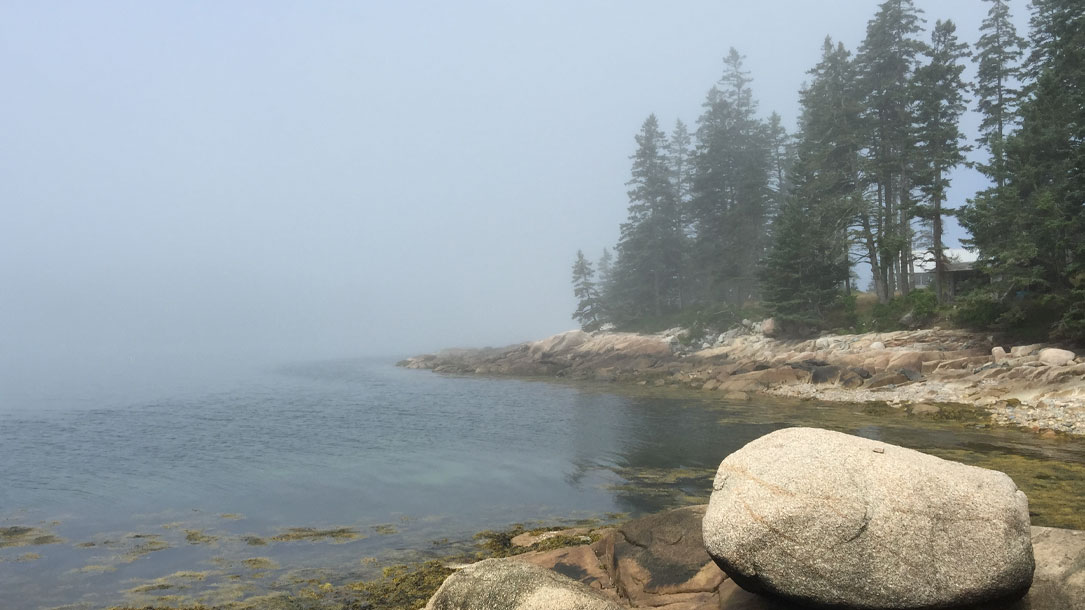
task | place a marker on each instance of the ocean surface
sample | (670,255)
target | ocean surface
(166,487)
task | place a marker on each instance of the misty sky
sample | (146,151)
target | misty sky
(311,179)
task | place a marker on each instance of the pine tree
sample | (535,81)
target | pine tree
(803,270)
(998,56)
(605,285)
(680,160)
(781,154)
(731,196)
(808,266)
(886,62)
(587,296)
(1031,233)
(647,272)
(940,91)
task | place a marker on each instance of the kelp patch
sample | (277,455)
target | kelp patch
(338,534)
(18,535)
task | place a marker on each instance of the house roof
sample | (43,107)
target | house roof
(957,259)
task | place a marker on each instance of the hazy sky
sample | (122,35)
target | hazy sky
(304,179)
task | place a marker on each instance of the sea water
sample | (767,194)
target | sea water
(136,487)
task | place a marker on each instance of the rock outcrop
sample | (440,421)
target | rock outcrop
(1030,385)
(1059,582)
(833,520)
(658,562)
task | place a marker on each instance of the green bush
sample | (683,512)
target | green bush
(977,310)
(916,309)
(843,314)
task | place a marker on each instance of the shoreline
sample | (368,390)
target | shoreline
(1040,387)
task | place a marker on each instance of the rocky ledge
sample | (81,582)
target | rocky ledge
(806,518)
(1038,386)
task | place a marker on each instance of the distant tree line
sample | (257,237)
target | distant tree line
(739,210)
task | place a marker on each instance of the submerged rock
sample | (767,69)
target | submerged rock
(828,519)
(661,559)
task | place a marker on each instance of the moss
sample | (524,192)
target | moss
(254,541)
(385,529)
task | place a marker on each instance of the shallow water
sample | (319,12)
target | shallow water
(191,495)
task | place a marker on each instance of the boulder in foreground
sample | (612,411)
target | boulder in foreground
(827,519)
(496,584)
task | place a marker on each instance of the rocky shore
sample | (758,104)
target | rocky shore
(1037,386)
(803,518)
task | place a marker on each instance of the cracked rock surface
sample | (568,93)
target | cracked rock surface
(828,519)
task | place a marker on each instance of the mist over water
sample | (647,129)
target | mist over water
(222,183)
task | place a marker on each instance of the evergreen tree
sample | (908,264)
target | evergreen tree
(605,285)
(731,196)
(803,270)
(808,265)
(998,56)
(941,102)
(886,62)
(647,272)
(587,296)
(680,158)
(1031,233)
(781,153)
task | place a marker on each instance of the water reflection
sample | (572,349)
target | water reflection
(403,458)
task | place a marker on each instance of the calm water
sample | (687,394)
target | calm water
(103,491)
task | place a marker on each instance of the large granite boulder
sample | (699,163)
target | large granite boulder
(827,519)
(497,584)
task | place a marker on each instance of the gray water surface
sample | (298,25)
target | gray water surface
(192,487)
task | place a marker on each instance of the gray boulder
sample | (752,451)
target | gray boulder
(497,584)
(823,518)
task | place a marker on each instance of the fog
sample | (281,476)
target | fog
(207,181)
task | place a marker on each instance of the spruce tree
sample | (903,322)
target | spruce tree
(886,62)
(647,272)
(808,266)
(940,91)
(680,160)
(731,195)
(1031,233)
(587,296)
(998,71)
(605,285)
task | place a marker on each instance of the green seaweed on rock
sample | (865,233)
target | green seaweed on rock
(338,534)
